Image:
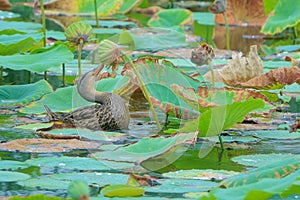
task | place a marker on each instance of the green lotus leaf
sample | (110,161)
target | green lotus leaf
(276,169)
(35,126)
(269,5)
(214,120)
(263,189)
(89,134)
(120,190)
(276,64)
(99,178)
(288,48)
(7,176)
(201,174)
(38,62)
(36,197)
(105,8)
(258,160)
(129,5)
(18,43)
(286,14)
(5,14)
(157,39)
(274,134)
(180,186)
(12,165)
(206,18)
(58,35)
(67,99)
(45,183)
(13,95)
(170,17)
(147,148)
(112,24)
(19,26)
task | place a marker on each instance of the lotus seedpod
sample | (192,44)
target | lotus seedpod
(109,52)
(79,31)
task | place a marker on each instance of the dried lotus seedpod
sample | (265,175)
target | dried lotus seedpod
(218,7)
(202,55)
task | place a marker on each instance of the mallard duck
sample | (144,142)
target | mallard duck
(109,113)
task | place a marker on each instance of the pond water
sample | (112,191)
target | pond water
(241,140)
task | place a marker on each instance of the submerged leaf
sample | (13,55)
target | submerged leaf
(13,95)
(274,79)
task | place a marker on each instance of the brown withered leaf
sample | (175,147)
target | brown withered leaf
(274,79)
(38,145)
(293,128)
(239,69)
(137,180)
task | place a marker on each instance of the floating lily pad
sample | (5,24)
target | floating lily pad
(239,139)
(12,165)
(20,26)
(112,23)
(288,48)
(93,177)
(89,134)
(274,134)
(34,126)
(13,95)
(170,17)
(276,64)
(45,183)
(285,15)
(38,62)
(18,43)
(67,99)
(258,160)
(6,176)
(46,145)
(36,197)
(120,190)
(5,14)
(201,174)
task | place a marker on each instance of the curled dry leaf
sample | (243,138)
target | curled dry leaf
(293,128)
(240,69)
(274,79)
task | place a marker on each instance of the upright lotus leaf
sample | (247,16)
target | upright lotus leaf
(18,43)
(206,97)
(269,5)
(78,190)
(274,79)
(15,95)
(286,14)
(216,119)
(38,62)
(79,31)
(129,5)
(67,99)
(105,8)
(171,17)
(239,69)
(158,76)
(276,169)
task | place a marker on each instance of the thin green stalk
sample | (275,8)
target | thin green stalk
(227,32)
(45,75)
(64,74)
(1,75)
(43,21)
(212,74)
(221,142)
(79,48)
(29,76)
(96,13)
(143,88)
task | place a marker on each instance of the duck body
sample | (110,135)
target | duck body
(109,113)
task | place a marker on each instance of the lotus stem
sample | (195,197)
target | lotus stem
(45,75)
(221,142)
(28,77)
(1,75)
(79,48)
(143,88)
(96,13)
(212,74)
(43,21)
(227,32)
(64,74)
